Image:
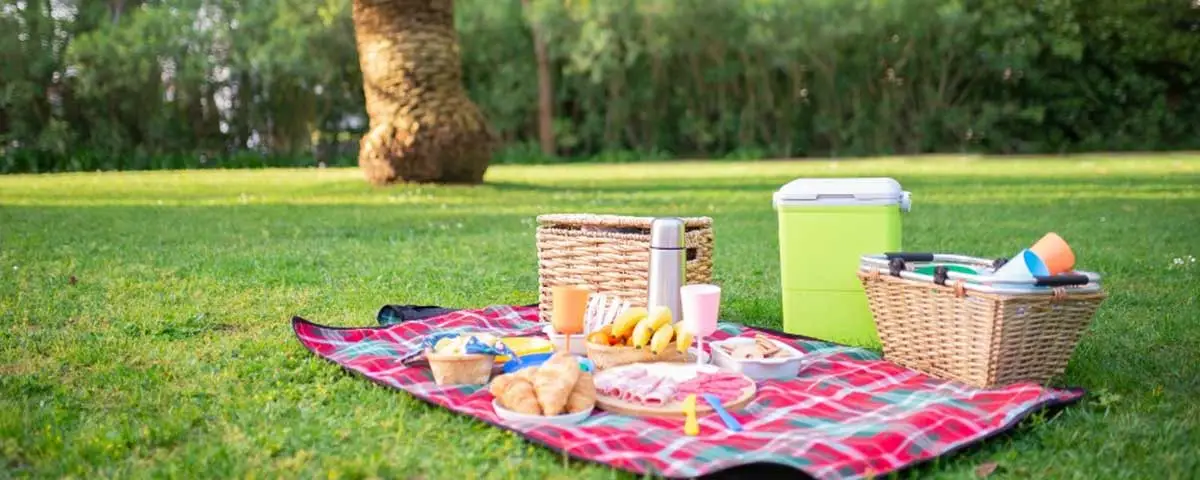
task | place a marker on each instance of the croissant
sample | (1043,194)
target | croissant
(553,382)
(519,397)
(500,384)
(526,373)
(583,395)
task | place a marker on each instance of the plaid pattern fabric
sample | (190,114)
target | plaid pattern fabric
(847,415)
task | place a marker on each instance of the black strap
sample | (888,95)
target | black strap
(393,314)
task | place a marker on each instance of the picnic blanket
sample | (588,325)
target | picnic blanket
(848,414)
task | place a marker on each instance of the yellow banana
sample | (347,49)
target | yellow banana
(641,333)
(683,338)
(623,325)
(661,338)
(658,317)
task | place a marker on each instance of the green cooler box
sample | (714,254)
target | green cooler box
(825,226)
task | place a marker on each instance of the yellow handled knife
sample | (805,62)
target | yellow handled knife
(690,426)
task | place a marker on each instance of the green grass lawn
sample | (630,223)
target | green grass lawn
(144,317)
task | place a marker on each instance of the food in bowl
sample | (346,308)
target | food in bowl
(457,358)
(758,358)
(457,344)
(641,328)
(762,348)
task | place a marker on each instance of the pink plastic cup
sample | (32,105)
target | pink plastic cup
(701,304)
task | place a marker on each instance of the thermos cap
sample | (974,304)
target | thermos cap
(667,232)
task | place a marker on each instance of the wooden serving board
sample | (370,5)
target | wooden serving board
(673,409)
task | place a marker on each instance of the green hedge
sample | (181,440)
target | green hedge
(644,79)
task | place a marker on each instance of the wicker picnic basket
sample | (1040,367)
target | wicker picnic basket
(960,327)
(610,254)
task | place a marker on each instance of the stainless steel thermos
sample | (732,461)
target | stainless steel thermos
(668,264)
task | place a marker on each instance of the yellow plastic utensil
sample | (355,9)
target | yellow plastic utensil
(690,426)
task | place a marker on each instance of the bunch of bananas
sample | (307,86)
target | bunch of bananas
(638,327)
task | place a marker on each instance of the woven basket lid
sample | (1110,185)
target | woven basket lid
(620,221)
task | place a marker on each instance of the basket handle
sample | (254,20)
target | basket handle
(1064,280)
(909,256)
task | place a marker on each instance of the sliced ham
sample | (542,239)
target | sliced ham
(658,394)
(724,386)
(655,388)
(619,386)
(634,387)
(638,385)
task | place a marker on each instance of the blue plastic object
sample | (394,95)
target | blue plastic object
(730,422)
(473,346)
(535,359)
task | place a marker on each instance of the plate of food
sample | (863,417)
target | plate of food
(659,389)
(557,392)
(760,357)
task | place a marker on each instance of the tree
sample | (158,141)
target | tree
(423,127)
(545,91)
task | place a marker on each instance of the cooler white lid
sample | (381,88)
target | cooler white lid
(842,191)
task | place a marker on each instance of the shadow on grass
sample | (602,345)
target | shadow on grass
(916,182)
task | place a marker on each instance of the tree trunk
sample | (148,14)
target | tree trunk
(545,91)
(423,127)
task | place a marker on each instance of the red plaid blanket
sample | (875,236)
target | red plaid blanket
(847,415)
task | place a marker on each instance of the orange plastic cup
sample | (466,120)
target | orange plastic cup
(1055,252)
(570,305)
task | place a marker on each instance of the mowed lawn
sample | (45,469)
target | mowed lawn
(144,316)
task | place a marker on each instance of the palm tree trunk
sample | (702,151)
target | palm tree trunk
(423,128)
(545,91)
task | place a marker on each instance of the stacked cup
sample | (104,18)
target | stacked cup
(1049,256)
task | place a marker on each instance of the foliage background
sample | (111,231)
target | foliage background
(137,84)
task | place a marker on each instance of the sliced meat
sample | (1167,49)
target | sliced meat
(724,386)
(619,386)
(660,394)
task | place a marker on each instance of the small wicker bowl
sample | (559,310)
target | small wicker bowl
(608,356)
(472,369)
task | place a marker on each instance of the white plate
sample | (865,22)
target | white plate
(517,417)
(764,369)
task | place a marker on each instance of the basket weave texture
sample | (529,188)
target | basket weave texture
(610,254)
(471,369)
(608,356)
(981,339)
